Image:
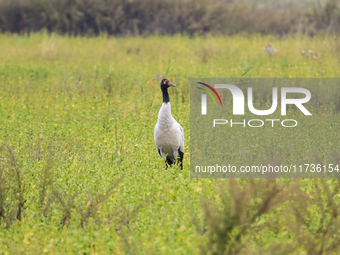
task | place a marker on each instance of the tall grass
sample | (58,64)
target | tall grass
(77,118)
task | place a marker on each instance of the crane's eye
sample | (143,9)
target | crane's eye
(166,81)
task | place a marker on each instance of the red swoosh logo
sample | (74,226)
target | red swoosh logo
(212,89)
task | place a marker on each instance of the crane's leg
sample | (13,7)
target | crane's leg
(166,159)
(181,155)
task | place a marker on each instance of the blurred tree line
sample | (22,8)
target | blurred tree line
(145,17)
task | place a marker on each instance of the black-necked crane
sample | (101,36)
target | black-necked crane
(169,135)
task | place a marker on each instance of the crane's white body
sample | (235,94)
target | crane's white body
(169,135)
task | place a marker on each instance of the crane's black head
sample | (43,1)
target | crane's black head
(165,84)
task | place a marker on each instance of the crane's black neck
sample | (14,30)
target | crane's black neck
(166,98)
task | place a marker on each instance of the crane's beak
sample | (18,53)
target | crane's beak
(171,85)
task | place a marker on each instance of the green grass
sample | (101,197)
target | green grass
(90,105)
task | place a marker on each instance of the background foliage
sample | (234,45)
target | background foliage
(189,17)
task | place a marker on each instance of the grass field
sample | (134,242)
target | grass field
(78,114)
